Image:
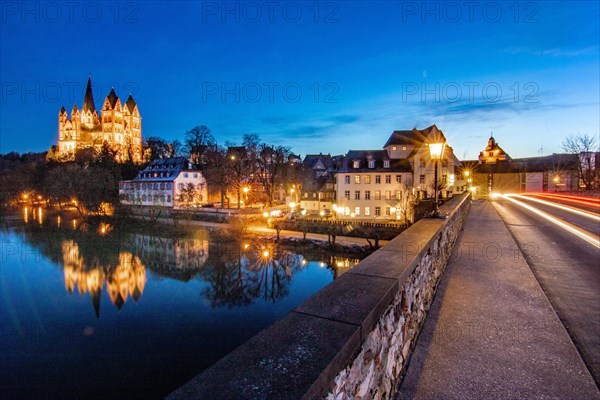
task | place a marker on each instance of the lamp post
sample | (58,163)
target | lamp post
(436,151)
(556,180)
(245,189)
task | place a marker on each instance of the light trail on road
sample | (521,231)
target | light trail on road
(587,201)
(587,214)
(580,233)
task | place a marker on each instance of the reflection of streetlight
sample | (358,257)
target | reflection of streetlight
(436,151)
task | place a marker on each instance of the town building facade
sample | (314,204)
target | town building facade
(318,186)
(117,124)
(169,182)
(383,184)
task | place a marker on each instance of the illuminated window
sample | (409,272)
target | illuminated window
(388,194)
(356,164)
(403,147)
(378,195)
(356,178)
(357,211)
(368,179)
(367,211)
(387,212)
(394,148)
(346,211)
(398,195)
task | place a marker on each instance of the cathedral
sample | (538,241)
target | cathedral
(119,125)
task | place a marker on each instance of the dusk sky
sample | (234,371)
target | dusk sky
(316,76)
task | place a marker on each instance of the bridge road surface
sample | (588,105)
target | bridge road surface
(567,268)
(491,332)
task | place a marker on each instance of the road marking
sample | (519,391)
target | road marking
(580,233)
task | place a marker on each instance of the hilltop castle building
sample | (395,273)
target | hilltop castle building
(119,125)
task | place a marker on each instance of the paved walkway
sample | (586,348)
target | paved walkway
(491,332)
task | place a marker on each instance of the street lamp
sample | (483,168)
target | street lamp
(245,189)
(436,151)
(556,180)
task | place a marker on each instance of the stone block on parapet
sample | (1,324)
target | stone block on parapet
(296,358)
(354,299)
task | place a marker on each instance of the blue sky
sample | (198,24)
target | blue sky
(317,76)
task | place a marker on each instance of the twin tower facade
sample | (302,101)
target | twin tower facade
(118,124)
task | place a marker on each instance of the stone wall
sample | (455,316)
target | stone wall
(353,338)
(376,371)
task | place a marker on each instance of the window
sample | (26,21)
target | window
(378,195)
(422,164)
(445,163)
(367,211)
(169,187)
(444,179)
(388,194)
(168,198)
(367,195)
(398,195)
(387,212)
(368,179)
(356,164)
(357,179)
(386,164)
(143,186)
(394,148)
(377,211)
(377,178)
(388,179)
(195,175)
(398,178)
(347,179)
(314,195)
(357,211)
(421,178)
(185,175)
(305,195)
(357,195)
(346,211)
(347,195)
(404,148)
(371,163)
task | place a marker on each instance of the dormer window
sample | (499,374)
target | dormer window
(394,148)
(371,163)
(386,164)
(356,164)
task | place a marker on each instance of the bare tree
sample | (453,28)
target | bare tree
(272,163)
(586,148)
(199,137)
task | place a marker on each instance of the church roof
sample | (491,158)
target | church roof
(88,100)
(130,104)
(112,98)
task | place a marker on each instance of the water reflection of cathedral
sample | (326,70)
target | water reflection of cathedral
(125,279)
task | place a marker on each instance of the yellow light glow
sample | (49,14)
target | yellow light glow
(556,179)
(292,205)
(393,209)
(494,195)
(292,190)
(321,264)
(334,207)
(246,246)
(266,214)
(303,262)
(322,213)
(436,150)
(473,189)
(245,189)
(265,253)
(25,196)
(303,212)
(467,173)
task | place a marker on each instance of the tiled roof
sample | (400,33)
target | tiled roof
(378,156)
(164,169)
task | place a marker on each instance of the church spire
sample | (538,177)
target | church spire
(88,100)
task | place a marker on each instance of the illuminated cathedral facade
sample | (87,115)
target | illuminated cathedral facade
(117,124)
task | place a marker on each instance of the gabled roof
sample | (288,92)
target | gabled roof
(130,104)
(319,162)
(88,99)
(414,137)
(378,156)
(112,98)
